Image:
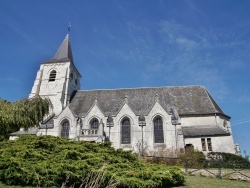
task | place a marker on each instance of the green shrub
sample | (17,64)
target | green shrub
(193,159)
(47,161)
(227,160)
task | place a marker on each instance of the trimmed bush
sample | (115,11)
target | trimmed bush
(227,160)
(47,161)
(193,159)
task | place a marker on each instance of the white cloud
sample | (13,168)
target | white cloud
(188,44)
(169,53)
(203,56)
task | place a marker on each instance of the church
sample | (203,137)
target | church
(139,119)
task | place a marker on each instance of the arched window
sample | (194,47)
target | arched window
(65,129)
(94,124)
(158,130)
(125,131)
(52,76)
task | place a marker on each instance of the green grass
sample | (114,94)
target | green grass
(193,182)
(205,182)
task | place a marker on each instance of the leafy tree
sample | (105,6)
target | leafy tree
(23,113)
(246,156)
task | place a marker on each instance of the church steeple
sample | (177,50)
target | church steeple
(58,77)
(64,52)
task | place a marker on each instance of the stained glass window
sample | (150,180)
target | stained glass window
(125,131)
(158,130)
(65,130)
(94,124)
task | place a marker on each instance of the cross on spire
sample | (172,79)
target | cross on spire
(69,27)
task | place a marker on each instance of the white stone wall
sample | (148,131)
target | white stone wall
(206,120)
(219,144)
(56,131)
(59,90)
(136,133)
(203,120)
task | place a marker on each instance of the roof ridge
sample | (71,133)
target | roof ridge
(189,100)
(137,88)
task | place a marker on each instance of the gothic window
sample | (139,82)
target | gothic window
(65,130)
(76,81)
(94,124)
(52,76)
(125,131)
(71,76)
(158,130)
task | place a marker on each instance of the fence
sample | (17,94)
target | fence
(214,168)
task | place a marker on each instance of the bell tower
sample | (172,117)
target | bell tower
(57,78)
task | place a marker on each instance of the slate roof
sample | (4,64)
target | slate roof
(188,100)
(48,123)
(64,52)
(205,130)
(30,131)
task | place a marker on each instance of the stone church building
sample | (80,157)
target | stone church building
(175,118)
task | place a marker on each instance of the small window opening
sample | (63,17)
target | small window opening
(76,81)
(203,144)
(206,144)
(52,76)
(71,76)
(209,144)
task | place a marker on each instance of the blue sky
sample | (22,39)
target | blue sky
(136,43)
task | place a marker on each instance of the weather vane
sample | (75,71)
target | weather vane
(69,26)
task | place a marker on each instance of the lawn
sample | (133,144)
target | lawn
(194,182)
(205,182)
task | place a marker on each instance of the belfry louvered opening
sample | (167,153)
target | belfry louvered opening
(52,76)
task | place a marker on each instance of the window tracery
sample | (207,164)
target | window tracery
(94,124)
(65,129)
(158,130)
(125,131)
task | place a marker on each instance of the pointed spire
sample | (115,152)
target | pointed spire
(64,52)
